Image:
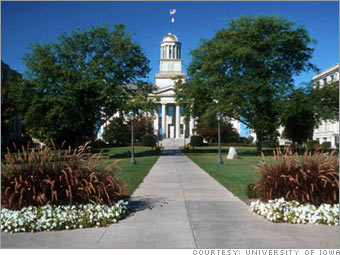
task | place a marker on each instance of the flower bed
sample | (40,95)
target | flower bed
(47,218)
(279,210)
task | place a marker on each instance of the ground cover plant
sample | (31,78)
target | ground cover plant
(311,178)
(47,217)
(40,177)
(280,210)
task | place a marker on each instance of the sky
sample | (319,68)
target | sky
(23,23)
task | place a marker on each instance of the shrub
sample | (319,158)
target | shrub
(116,132)
(43,176)
(311,178)
(196,141)
(149,141)
(251,192)
(98,144)
(313,144)
(326,145)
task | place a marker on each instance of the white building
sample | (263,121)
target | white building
(169,121)
(328,131)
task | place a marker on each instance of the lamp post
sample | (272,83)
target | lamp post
(218,117)
(132,161)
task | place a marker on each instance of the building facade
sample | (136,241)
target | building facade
(169,120)
(327,131)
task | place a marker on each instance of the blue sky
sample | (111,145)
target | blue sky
(23,23)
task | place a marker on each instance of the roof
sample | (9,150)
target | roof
(170,38)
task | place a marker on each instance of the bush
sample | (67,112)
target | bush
(251,192)
(196,141)
(312,178)
(48,177)
(313,144)
(149,141)
(326,145)
(99,144)
(116,132)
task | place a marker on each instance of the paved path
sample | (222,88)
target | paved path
(180,206)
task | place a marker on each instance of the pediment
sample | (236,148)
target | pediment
(168,90)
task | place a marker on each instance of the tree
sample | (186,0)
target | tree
(209,132)
(116,132)
(326,101)
(299,118)
(142,125)
(304,109)
(245,71)
(79,82)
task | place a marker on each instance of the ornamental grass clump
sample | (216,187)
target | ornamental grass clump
(312,178)
(45,176)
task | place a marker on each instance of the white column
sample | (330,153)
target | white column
(156,124)
(163,120)
(175,51)
(177,121)
(191,125)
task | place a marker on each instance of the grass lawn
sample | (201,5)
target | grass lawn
(132,175)
(235,175)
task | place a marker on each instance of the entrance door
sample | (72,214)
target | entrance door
(172,131)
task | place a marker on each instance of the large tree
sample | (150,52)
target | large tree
(299,117)
(245,70)
(77,83)
(306,107)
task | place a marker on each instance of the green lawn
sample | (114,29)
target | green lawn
(235,175)
(132,175)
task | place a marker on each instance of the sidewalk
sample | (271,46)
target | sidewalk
(180,206)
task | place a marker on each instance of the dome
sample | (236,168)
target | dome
(170,38)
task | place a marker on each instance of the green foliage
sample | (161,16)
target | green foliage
(313,144)
(142,125)
(210,132)
(299,117)
(196,141)
(326,145)
(313,178)
(148,140)
(246,70)
(251,192)
(116,132)
(43,177)
(326,101)
(74,85)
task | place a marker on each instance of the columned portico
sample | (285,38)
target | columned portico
(170,122)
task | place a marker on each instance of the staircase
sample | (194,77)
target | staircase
(173,142)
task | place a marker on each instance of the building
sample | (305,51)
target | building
(15,127)
(327,131)
(169,121)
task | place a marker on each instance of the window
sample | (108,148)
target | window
(325,81)
(332,77)
(181,129)
(318,84)
(160,111)
(170,111)
(181,111)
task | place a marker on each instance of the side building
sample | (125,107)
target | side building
(327,131)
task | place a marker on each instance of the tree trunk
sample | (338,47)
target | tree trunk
(258,143)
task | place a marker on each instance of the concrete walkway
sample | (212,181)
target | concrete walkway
(180,206)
